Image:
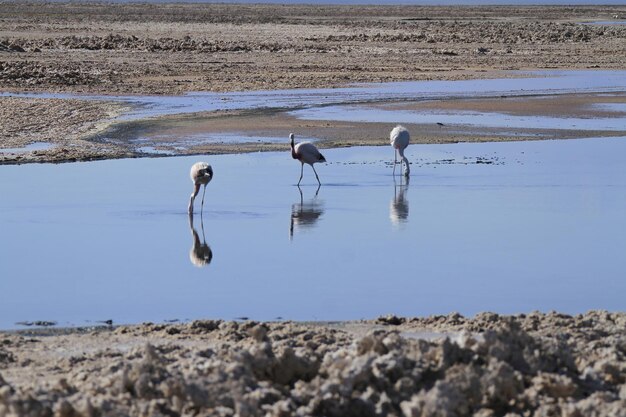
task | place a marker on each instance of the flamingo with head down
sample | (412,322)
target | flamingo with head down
(201,174)
(399,140)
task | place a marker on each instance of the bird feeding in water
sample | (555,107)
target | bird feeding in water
(201,174)
(306,153)
(399,140)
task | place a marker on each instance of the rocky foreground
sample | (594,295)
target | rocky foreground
(537,364)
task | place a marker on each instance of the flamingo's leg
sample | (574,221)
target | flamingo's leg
(316,176)
(202,205)
(301,171)
(395,161)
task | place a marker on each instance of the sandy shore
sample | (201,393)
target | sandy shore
(489,365)
(173,49)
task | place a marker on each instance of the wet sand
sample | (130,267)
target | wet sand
(177,48)
(64,124)
(89,130)
(488,365)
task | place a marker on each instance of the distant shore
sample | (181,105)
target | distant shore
(130,48)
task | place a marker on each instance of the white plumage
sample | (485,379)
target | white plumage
(399,140)
(201,174)
(306,153)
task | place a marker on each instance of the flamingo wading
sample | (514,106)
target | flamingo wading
(306,153)
(399,140)
(201,174)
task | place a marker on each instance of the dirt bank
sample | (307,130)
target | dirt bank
(63,124)
(535,364)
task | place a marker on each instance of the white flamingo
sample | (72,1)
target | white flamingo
(201,174)
(306,153)
(399,140)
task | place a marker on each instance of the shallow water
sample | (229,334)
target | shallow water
(536,83)
(36,146)
(181,142)
(607,22)
(505,227)
(466,118)
(179,135)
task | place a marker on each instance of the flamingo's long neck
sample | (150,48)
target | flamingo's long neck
(294,155)
(407,168)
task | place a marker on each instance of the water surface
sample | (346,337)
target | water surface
(504,227)
(607,22)
(382,114)
(36,146)
(531,83)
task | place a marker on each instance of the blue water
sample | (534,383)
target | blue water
(608,23)
(533,83)
(534,226)
(36,146)
(383,114)
(181,142)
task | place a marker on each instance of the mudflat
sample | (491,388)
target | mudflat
(113,49)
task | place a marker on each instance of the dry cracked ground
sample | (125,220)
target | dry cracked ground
(490,365)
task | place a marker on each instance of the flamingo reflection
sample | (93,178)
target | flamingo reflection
(305,215)
(200,253)
(399,206)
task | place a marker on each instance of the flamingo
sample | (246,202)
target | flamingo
(201,174)
(306,153)
(399,140)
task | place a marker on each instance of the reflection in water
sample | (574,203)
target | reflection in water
(200,253)
(305,215)
(399,206)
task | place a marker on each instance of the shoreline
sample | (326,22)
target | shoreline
(133,48)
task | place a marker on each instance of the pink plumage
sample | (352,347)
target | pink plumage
(306,153)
